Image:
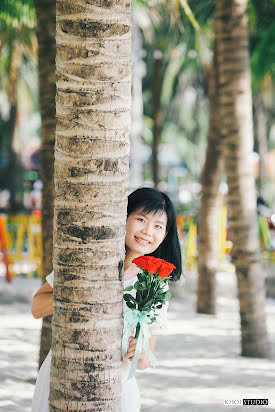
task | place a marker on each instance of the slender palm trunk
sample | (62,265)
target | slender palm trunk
(236,133)
(210,203)
(14,169)
(156,116)
(137,106)
(46,15)
(14,177)
(262,140)
(93,105)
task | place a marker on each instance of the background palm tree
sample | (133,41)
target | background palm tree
(208,221)
(18,44)
(93,71)
(261,19)
(236,132)
(46,14)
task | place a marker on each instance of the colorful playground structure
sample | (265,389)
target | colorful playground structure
(188,234)
(21,242)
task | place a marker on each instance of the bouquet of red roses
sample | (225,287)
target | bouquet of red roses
(150,295)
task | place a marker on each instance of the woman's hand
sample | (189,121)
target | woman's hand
(131,350)
(143,362)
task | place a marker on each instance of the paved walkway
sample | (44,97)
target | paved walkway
(199,363)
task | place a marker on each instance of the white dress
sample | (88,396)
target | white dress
(130,397)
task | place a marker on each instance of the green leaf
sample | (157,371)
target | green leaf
(168,295)
(142,277)
(137,285)
(149,303)
(139,298)
(129,288)
(131,305)
(141,288)
(128,297)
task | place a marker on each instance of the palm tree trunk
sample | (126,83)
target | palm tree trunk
(237,136)
(136,177)
(262,141)
(46,15)
(156,115)
(14,171)
(210,203)
(93,103)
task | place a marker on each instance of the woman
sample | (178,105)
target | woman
(150,230)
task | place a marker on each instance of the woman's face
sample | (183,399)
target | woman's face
(145,232)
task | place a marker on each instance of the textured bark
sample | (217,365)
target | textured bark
(156,116)
(236,132)
(46,15)
(93,69)
(210,203)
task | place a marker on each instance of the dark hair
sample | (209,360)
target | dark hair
(151,200)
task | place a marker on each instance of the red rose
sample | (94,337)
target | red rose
(154,264)
(149,263)
(141,262)
(165,269)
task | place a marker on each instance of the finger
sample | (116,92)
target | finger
(129,354)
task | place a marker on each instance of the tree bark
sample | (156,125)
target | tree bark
(210,203)
(156,115)
(237,136)
(93,103)
(46,16)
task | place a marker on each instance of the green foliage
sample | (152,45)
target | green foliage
(263,57)
(17,14)
(150,293)
(129,288)
(262,37)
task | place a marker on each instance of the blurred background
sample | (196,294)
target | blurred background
(172,51)
(172,141)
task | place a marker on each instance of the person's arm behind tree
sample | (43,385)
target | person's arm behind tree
(42,304)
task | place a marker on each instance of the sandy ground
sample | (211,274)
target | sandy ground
(199,362)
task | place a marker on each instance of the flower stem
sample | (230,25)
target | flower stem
(137,330)
(149,288)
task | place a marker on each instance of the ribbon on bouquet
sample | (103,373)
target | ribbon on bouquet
(133,317)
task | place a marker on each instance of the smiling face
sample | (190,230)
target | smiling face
(144,232)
